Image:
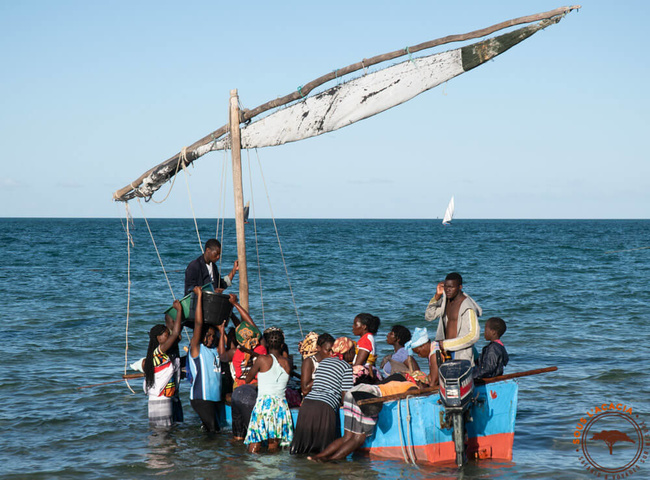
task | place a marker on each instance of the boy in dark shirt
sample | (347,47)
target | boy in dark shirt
(493,356)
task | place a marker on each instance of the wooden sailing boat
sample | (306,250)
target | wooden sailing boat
(449,213)
(428,440)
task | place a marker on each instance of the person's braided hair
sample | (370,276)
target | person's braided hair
(274,340)
(149,373)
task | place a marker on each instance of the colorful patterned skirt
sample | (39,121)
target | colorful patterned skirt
(271,419)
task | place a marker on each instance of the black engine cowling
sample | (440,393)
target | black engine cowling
(456,383)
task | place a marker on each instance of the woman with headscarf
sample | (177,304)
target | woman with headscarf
(314,349)
(317,424)
(244,395)
(159,371)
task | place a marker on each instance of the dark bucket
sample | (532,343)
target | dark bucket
(216,308)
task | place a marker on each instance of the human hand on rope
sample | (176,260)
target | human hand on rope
(198,291)
(235,269)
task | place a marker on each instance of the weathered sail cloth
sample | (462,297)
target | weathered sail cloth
(371,94)
(347,103)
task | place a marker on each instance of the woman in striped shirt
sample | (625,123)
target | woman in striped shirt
(317,424)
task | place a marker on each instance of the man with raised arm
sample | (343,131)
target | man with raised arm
(204,269)
(458,328)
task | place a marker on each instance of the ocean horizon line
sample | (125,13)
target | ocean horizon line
(456,220)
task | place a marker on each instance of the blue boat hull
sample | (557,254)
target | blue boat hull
(410,429)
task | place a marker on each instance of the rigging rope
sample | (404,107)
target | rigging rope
(286,271)
(221,202)
(129,242)
(257,248)
(183,155)
(157,252)
(409,443)
(224,174)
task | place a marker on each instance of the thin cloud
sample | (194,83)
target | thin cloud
(10,183)
(371,181)
(68,184)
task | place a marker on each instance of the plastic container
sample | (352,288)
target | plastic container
(216,308)
(187,303)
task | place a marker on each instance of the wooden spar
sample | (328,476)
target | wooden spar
(480,381)
(165,170)
(235,135)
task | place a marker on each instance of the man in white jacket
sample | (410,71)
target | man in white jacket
(458,328)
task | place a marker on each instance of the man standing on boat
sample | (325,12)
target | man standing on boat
(204,270)
(458,328)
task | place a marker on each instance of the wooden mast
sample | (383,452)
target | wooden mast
(235,135)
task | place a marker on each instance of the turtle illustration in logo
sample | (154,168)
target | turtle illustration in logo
(610,437)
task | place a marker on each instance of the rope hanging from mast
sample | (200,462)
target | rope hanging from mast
(284,263)
(257,248)
(129,243)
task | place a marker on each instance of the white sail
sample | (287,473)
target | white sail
(350,102)
(449,213)
(347,103)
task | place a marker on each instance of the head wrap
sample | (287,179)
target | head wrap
(419,338)
(309,346)
(359,371)
(247,335)
(341,346)
(416,376)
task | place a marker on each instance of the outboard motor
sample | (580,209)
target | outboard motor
(456,395)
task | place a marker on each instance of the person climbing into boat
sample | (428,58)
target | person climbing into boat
(314,349)
(494,356)
(317,424)
(244,394)
(421,345)
(203,269)
(271,421)
(365,326)
(399,360)
(205,366)
(458,327)
(360,420)
(160,372)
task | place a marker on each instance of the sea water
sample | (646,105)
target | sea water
(573,293)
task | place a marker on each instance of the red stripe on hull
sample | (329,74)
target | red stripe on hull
(497,446)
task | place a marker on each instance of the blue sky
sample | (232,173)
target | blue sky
(95,93)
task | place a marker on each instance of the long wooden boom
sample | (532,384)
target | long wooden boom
(150,181)
(480,381)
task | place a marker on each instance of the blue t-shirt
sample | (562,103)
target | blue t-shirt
(206,375)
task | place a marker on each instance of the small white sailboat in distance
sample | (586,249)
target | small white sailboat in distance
(449,213)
